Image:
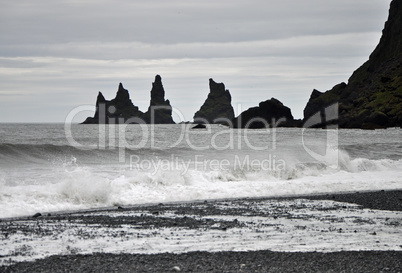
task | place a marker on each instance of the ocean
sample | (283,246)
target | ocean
(66,167)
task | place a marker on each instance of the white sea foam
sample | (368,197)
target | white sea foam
(87,187)
(41,172)
(294,225)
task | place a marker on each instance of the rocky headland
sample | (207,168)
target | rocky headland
(372,98)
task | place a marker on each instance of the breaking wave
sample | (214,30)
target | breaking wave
(72,186)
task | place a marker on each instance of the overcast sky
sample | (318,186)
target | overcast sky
(57,55)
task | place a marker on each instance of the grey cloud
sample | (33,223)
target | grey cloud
(44,22)
(60,53)
(250,80)
(323,45)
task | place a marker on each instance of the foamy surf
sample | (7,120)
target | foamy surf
(85,187)
(41,171)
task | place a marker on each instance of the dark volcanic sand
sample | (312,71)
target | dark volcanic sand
(256,261)
(384,200)
(251,261)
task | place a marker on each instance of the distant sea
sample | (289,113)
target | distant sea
(58,167)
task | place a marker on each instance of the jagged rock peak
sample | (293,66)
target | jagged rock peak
(100,98)
(158,80)
(116,110)
(159,110)
(216,87)
(217,107)
(157,91)
(122,94)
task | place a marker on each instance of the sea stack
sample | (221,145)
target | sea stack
(372,98)
(118,110)
(217,108)
(159,110)
(122,110)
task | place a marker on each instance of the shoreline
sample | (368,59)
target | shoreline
(220,261)
(359,197)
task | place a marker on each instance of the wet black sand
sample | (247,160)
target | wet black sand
(251,261)
(256,261)
(383,200)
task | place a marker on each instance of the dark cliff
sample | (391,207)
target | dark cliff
(372,98)
(217,108)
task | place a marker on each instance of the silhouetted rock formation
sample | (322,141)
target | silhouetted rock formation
(217,108)
(122,110)
(118,110)
(269,113)
(373,96)
(160,110)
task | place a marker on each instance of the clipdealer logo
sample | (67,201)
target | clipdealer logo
(114,136)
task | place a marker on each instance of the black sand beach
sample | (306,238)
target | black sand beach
(256,261)
(225,261)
